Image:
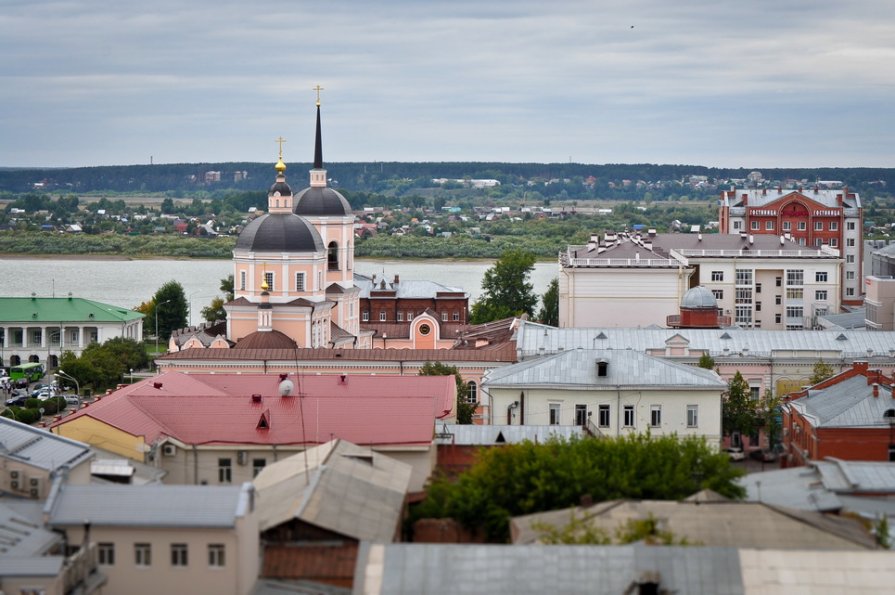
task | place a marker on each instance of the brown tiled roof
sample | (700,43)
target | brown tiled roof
(505,353)
(265,340)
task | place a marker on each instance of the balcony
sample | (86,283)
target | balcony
(81,573)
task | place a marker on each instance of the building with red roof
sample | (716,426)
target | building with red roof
(225,428)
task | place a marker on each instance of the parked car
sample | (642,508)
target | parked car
(17,401)
(735,453)
(72,400)
(763,455)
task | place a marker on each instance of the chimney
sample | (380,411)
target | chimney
(256,398)
(875,390)
(397,279)
(764,191)
(860,367)
(699,237)
(156,385)
(751,239)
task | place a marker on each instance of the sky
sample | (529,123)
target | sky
(751,83)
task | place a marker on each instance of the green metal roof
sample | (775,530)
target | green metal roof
(64,309)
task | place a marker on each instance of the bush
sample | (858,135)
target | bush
(21,414)
(33,403)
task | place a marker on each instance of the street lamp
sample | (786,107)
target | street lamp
(157,306)
(64,374)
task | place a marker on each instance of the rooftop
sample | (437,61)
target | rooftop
(39,448)
(848,404)
(63,309)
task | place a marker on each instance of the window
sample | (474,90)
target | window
(332,257)
(629,416)
(743,296)
(817,242)
(225,470)
(850,275)
(36,336)
(580,415)
(365,316)
(850,242)
(820,277)
(718,293)
(803,226)
(142,554)
(400,316)
(820,295)
(850,291)
(106,553)
(692,416)
(787,226)
(216,554)
(778,281)
(472,392)
(755,392)
(769,225)
(299,281)
(834,242)
(794,312)
(778,318)
(179,554)
(755,225)
(242,280)
(444,317)
(268,278)
(778,299)
(717,275)
(795,277)
(319,279)
(409,316)
(834,226)
(736,224)
(257,466)
(818,226)
(795,293)
(850,225)
(655,416)
(603,414)
(382,316)
(758,306)
(554,414)
(850,258)
(743,314)
(455,316)
(744,276)
(758,288)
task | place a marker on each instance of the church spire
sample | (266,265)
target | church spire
(318,174)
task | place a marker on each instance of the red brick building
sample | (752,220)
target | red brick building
(850,416)
(400,302)
(812,217)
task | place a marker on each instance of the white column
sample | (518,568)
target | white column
(80,337)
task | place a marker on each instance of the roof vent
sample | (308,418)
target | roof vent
(256,398)
(500,439)
(841,337)
(286,387)
(602,335)
(725,336)
(602,368)
(157,385)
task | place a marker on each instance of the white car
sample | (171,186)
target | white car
(735,453)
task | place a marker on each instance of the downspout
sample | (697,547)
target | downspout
(522,408)
(195,465)
(618,409)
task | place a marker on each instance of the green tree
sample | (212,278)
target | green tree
(214,311)
(227,287)
(103,366)
(506,289)
(821,372)
(738,410)
(518,479)
(169,304)
(465,409)
(706,361)
(770,418)
(549,313)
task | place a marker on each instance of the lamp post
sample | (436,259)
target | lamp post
(157,306)
(64,374)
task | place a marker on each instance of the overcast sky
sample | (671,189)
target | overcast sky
(750,83)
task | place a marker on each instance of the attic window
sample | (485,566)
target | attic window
(725,336)
(264,422)
(500,439)
(841,337)
(602,336)
(602,368)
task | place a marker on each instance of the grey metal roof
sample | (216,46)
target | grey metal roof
(185,506)
(848,320)
(39,448)
(847,404)
(338,486)
(625,368)
(538,339)
(857,476)
(279,232)
(488,435)
(757,197)
(404,289)
(434,569)
(21,537)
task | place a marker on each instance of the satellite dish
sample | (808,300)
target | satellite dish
(286,387)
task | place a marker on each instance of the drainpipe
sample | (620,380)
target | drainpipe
(522,408)
(195,465)
(618,410)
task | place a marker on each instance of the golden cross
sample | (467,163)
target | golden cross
(280,140)
(318,88)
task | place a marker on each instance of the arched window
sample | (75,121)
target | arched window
(14,360)
(472,392)
(333,256)
(34,359)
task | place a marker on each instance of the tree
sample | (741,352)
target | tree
(549,313)
(506,290)
(518,479)
(104,365)
(169,304)
(821,372)
(738,411)
(215,310)
(227,287)
(465,409)
(770,418)
(706,361)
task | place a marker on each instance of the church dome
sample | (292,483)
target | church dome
(280,187)
(265,340)
(317,201)
(699,297)
(280,233)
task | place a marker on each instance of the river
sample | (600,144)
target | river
(127,283)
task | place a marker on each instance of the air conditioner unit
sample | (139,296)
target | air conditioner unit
(13,474)
(35,482)
(169,450)
(14,485)
(242,457)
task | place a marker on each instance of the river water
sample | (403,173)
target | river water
(127,283)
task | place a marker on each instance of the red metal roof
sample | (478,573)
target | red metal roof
(220,409)
(503,353)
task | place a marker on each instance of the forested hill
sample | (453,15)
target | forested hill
(395,177)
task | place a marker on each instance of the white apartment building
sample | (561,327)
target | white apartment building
(758,281)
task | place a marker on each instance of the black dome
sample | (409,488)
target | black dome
(281,187)
(279,232)
(315,201)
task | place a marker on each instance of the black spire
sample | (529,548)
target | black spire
(318,144)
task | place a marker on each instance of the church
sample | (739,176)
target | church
(293,269)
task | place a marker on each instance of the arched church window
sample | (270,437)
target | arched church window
(333,256)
